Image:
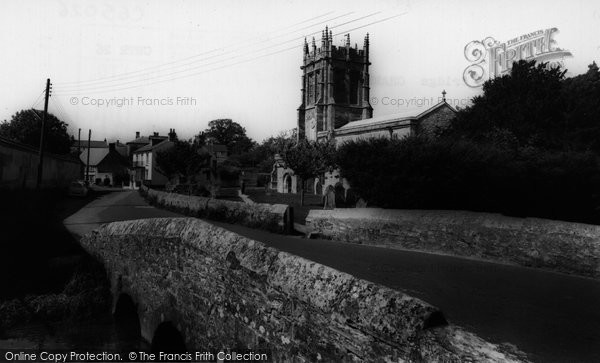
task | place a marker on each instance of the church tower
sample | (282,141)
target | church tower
(335,86)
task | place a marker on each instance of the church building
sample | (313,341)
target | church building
(335,105)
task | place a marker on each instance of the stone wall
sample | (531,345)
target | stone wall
(19,165)
(560,246)
(434,122)
(222,290)
(271,217)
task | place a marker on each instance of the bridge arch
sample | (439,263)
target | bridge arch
(127,321)
(167,338)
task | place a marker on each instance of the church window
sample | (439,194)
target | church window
(339,85)
(354,78)
(318,85)
(311,88)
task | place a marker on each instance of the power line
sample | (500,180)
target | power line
(119,83)
(107,78)
(97,89)
(38,99)
(232,64)
(60,110)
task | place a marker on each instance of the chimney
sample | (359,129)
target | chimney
(155,138)
(172,135)
(137,134)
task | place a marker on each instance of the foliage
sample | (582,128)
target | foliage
(228,172)
(184,158)
(582,110)
(261,156)
(229,133)
(535,106)
(527,146)
(418,173)
(308,159)
(25,127)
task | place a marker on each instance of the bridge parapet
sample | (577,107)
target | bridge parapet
(271,217)
(222,290)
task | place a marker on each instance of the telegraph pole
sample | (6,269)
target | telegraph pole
(79,154)
(41,153)
(87,171)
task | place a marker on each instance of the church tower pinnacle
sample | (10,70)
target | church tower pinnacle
(335,86)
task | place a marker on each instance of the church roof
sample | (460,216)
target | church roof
(382,121)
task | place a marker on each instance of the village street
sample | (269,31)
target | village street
(550,316)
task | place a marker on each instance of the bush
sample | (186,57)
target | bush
(191,189)
(418,173)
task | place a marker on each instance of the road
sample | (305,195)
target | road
(552,317)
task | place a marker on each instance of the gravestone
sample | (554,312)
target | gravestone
(330,198)
(340,195)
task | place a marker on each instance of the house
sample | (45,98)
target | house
(136,143)
(93,144)
(121,149)
(218,154)
(106,165)
(144,159)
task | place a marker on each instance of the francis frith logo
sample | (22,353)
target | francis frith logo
(490,58)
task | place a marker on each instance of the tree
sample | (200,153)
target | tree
(535,106)
(582,110)
(307,159)
(262,156)
(184,158)
(25,127)
(525,105)
(230,134)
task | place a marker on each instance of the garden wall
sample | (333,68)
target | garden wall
(555,245)
(19,167)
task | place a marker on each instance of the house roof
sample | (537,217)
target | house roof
(150,147)
(407,115)
(96,155)
(112,162)
(140,140)
(93,144)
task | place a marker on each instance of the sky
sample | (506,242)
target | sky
(118,67)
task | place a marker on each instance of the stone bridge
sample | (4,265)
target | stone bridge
(199,287)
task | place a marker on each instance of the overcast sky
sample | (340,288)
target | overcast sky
(241,59)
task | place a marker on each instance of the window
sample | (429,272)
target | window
(339,86)
(354,78)
(317,86)
(311,88)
